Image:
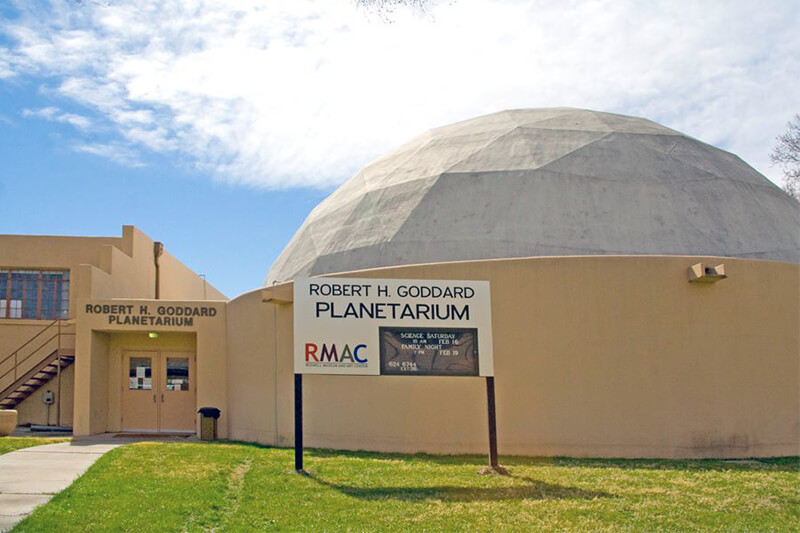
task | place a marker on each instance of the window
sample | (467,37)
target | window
(140,373)
(177,373)
(34,294)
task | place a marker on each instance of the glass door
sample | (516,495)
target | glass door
(139,392)
(158,392)
(177,390)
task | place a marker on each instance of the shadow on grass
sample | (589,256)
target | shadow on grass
(779,464)
(775,464)
(530,490)
(245,443)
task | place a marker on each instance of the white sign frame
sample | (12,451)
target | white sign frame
(345,314)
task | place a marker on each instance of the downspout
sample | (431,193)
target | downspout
(275,367)
(158,249)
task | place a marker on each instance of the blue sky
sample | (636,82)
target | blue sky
(216,126)
(229,233)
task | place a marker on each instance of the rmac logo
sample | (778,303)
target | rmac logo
(330,353)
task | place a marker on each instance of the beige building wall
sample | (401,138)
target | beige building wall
(118,274)
(104,267)
(126,261)
(91,384)
(178,282)
(100,268)
(34,411)
(594,356)
(57,253)
(260,382)
(100,343)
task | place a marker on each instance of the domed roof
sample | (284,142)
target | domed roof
(545,182)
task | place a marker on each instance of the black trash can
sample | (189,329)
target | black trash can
(208,422)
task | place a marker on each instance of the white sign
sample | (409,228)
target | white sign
(392,327)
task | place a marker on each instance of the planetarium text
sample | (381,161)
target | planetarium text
(391,310)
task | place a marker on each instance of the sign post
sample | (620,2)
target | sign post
(298,422)
(392,327)
(492,422)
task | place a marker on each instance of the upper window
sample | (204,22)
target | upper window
(34,294)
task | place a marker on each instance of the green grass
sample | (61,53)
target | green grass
(241,487)
(9,444)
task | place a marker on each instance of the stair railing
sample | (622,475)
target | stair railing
(56,335)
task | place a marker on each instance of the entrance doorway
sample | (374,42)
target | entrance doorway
(158,391)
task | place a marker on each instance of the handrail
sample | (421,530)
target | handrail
(48,326)
(17,362)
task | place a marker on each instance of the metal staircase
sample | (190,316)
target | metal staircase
(40,359)
(34,378)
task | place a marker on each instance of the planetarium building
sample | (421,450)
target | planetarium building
(645,302)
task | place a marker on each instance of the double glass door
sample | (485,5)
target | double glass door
(158,391)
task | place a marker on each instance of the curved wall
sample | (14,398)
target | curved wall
(614,356)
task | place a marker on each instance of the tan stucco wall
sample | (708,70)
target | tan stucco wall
(105,267)
(100,268)
(90,412)
(178,282)
(32,410)
(69,253)
(99,345)
(35,251)
(120,275)
(594,356)
(253,372)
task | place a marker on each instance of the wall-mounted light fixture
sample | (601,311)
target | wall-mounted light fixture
(702,273)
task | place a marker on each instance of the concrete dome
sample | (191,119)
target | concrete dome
(545,182)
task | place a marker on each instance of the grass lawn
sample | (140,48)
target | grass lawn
(241,487)
(9,444)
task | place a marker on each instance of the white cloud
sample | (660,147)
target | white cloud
(115,152)
(6,71)
(303,92)
(47,113)
(56,115)
(77,121)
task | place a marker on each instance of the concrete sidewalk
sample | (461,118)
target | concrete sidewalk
(31,476)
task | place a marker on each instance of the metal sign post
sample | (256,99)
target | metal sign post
(492,423)
(298,422)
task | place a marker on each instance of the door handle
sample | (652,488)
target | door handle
(154,398)
(162,397)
